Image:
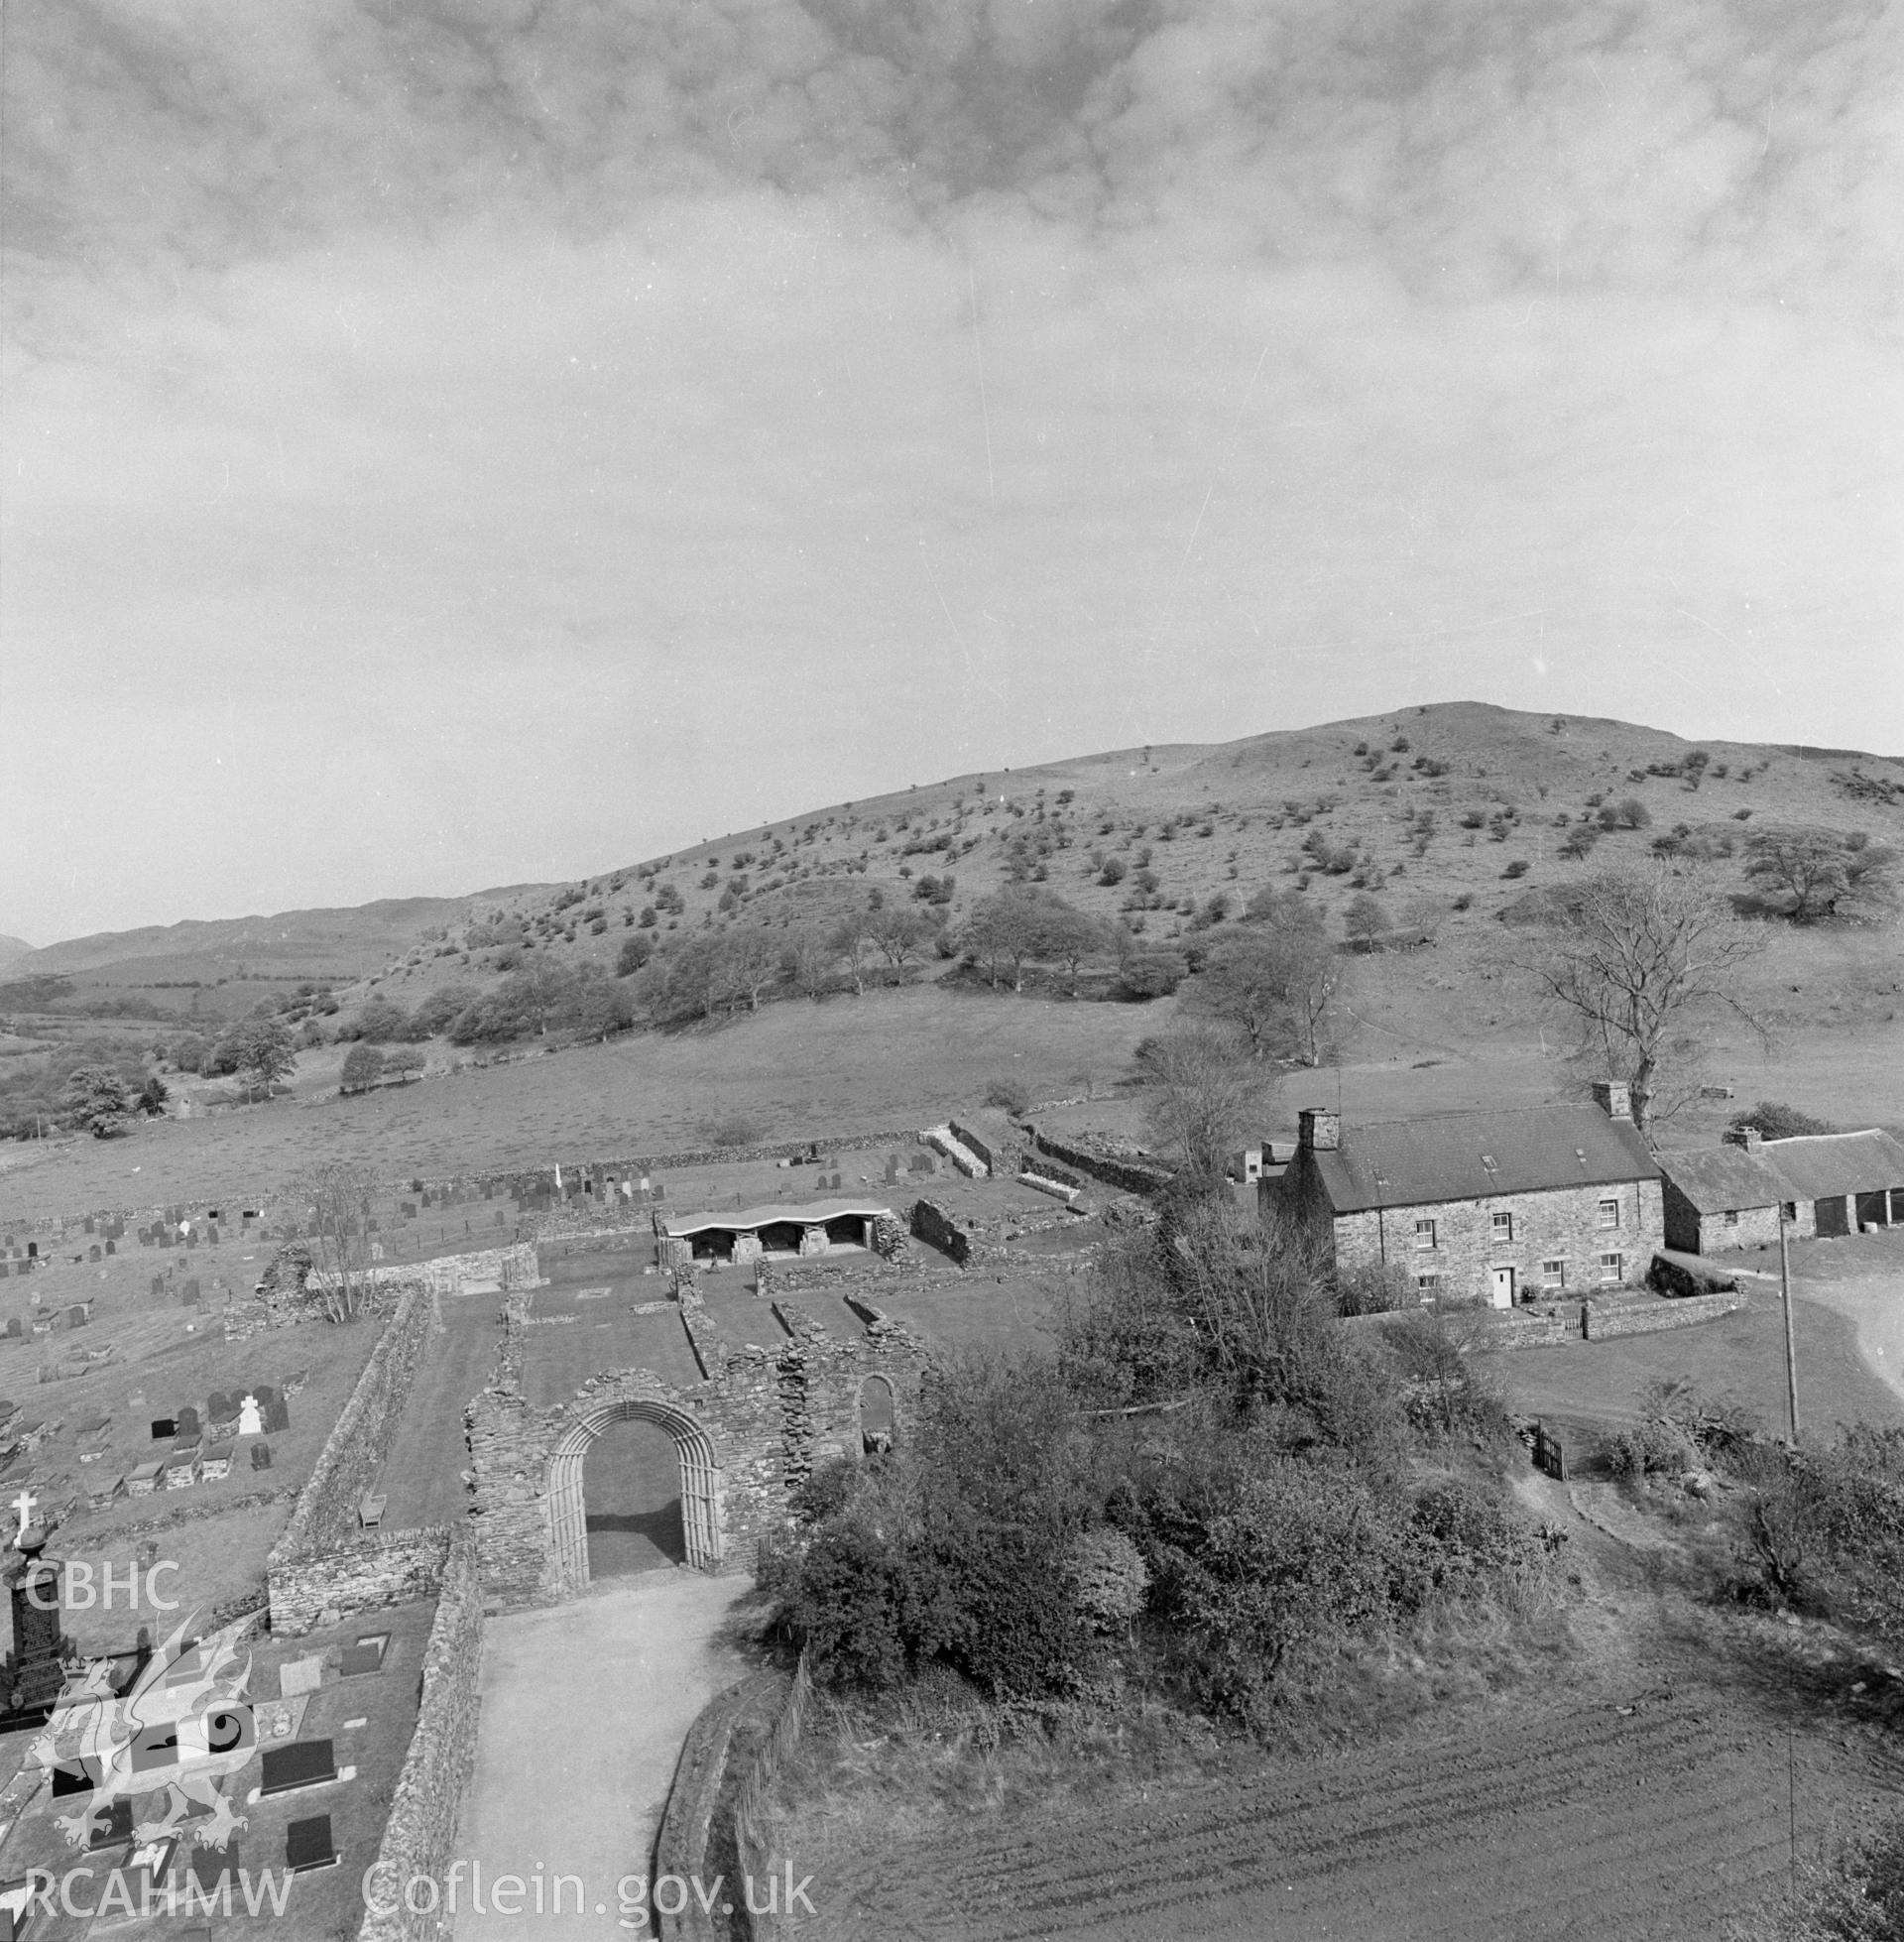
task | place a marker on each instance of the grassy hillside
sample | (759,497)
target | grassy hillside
(1204,821)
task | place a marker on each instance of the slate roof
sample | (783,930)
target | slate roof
(813,1213)
(1473,1155)
(1813,1167)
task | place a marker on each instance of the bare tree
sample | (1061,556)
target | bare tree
(1636,964)
(852,939)
(1204,1093)
(338,1194)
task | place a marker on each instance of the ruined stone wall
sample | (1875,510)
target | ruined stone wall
(769,1415)
(513,1265)
(937,1229)
(1131,1172)
(360,1440)
(995,1139)
(368,1573)
(419,1835)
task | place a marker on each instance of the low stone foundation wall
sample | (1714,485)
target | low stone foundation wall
(376,1570)
(1679,1274)
(419,1835)
(1535,1328)
(513,1265)
(1643,1318)
(354,1451)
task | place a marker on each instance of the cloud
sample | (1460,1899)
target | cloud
(560,428)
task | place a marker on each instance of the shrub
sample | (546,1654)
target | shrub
(1518,867)
(1111,1578)
(1777,1121)
(1008,1095)
(1646,1448)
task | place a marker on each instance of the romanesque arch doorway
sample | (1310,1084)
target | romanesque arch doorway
(613,1504)
(877,1419)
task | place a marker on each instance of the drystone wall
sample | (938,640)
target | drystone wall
(419,1835)
(354,1451)
(368,1573)
(1131,1172)
(1607,1319)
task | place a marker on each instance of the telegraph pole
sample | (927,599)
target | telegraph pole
(1791,1352)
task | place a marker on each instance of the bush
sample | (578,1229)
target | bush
(1008,1095)
(1648,1448)
(1151,974)
(1777,1121)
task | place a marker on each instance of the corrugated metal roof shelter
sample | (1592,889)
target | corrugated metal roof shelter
(1471,1155)
(742,1220)
(1811,1166)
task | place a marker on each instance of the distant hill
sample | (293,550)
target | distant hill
(12,949)
(1438,810)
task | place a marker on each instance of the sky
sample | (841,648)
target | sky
(448,445)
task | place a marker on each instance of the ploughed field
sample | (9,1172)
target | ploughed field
(1658,1814)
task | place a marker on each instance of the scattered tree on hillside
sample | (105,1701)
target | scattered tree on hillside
(403,1063)
(152,1094)
(338,1195)
(363,1066)
(1275,978)
(746,963)
(263,1053)
(852,939)
(635,952)
(898,934)
(1823,872)
(95,1096)
(1635,964)
(807,959)
(1364,920)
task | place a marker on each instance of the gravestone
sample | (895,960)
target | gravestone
(210,1866)
(307,1843)
(358,1660)
(87,1223)
(250,1422)
(220,1408)
(112,1247)
(15,1327)
(303,1763)
(157,1285)
(211,1237)
(261,1456)
(92,1252)
(164,1428)
(188,1423)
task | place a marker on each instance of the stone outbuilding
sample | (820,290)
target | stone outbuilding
(777,1230)
(1487,1207)
(1828,1183)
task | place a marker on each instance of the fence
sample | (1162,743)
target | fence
(749,1828)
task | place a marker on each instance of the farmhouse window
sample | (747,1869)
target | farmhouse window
(1553,1273)
(1790,1210)
(1732,1216)
(1612,1267)
(1504,1226)
(1610,1212)
(1424,1234)
(1428,1286)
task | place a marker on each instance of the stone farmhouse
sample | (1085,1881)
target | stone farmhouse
(1487,1207)
(1729,1196)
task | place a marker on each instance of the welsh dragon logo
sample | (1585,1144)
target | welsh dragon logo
(181,1730)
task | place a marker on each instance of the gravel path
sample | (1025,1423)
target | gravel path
(585,1707)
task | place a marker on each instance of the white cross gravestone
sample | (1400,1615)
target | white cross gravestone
(250,1422)
(24,1504)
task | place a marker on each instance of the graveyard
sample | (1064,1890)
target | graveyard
(202,1454)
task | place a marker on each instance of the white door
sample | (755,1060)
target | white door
(1503,1288)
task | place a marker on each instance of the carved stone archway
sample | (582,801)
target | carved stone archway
(567,1507)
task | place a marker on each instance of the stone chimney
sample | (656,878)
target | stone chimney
(1747,1137)
(1615,1098)
(1319,1131)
